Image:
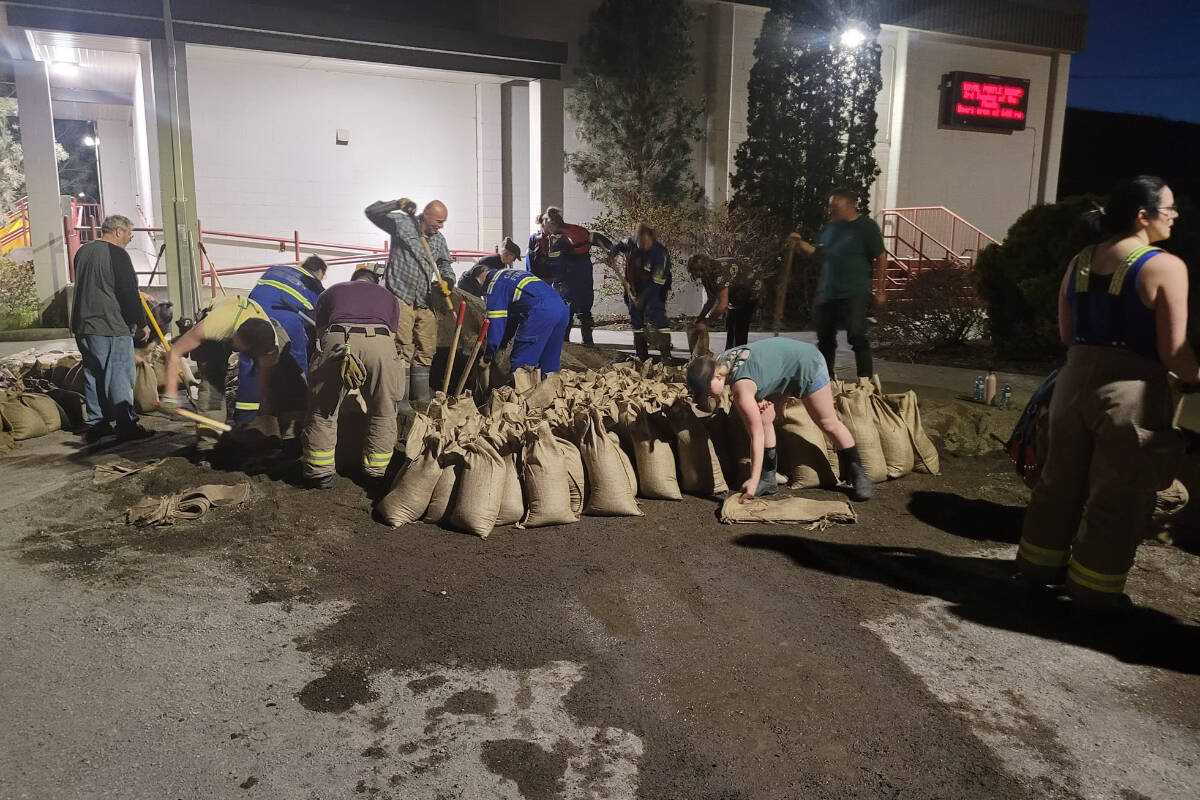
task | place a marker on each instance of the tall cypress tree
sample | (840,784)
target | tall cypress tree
(631,115)
(812,120)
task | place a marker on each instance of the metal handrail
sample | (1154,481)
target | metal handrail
(950,213)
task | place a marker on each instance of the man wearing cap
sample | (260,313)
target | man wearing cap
(762,375)
(288,293)
(508,254)
(522,309)
(356,319)
(419,274)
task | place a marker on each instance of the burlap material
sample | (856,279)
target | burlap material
(653,458)
(802,448)
(786,511)
(443,492)
(547,483)
(145,388)
(894,439)
(699,468)
(853,406)
(576,475)
(190,504)
(20,419)
(512,502)
(926,457)
(479,490)
(612,482)
(413,488)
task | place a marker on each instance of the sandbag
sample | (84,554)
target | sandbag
(47,409)
(612,483)
(547,484)
(412,489)
(898,452)
(75,380)
(854,410)
(787,511)
(74,405)
(21,420)
(145,388)
(479,490)
(576,476)
(699,468)
(443,492)
(926,457)
(655,460)
(512,502)
(526,379)
(802,448)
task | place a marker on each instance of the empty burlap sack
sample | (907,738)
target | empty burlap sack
(413,488)
(20,420)
(525,379)
(654,458)
(789,511)
(145,388)
(544,393)
(45,407)
(612,483)
(699,468)
(854,410)
(576,476)
(479,490)
(802,448)
(547,484)
(926,457)
(439,501)
(512,503)
(894,439)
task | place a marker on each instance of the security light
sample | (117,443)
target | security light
(64,70)
(90,141)
(853,36)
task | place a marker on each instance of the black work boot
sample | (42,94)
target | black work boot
(639,345)
(853,473)
(419,393)
(402,404)
(768,482)
(586,330)
(664,347)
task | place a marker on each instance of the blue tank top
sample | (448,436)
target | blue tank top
(1107,309)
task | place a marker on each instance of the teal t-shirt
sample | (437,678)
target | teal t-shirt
(847,251)
(777,366)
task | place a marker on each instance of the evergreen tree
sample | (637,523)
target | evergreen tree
(812,118)
(632,118)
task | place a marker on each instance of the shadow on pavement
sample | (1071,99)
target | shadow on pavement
(984,591)
(978,520)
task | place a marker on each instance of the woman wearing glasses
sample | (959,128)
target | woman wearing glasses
(1122,312)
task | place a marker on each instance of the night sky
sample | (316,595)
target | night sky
(1142,57)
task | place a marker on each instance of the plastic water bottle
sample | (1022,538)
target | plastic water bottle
(1005,396)
(979,383)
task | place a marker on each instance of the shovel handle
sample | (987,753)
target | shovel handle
(462,379)
(462,312)
(202,420)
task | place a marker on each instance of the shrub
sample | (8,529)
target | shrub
(938,308)
(19,305)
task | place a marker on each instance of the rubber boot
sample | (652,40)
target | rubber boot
(402,405)
(418,387)
(768,482)
(853,473)
(586,330)
(639,346)
(664,346)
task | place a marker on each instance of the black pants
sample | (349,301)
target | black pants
(737,325)
(849,315)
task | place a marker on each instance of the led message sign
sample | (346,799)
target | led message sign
(984,102)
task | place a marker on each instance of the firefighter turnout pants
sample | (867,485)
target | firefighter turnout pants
(381,391)
(1111,450)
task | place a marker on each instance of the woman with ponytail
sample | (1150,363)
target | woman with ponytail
(1122,312)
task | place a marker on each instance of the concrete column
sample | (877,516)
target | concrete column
(514,170)
(41,178)
(546,105)
(1056,112)
(719,102)
(177,178)
(896,131)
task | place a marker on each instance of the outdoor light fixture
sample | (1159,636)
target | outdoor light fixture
(853,36)
(90,141)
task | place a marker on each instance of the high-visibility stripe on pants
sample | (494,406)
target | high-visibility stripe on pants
(1042,556)
(377,459)
(1096,581)
(319,458)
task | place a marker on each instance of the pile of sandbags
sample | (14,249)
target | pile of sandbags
(542,453)
(46,395)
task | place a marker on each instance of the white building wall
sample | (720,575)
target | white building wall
(489,165)
(118,180)
(266,161)
(988,178)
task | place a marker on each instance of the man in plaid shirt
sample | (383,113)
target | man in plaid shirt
(411,274)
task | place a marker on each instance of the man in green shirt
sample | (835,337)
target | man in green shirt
(853,264)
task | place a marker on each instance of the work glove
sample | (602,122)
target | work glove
(353,373)
(167,405)
(407,206)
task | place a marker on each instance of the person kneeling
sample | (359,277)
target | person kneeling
(761,375)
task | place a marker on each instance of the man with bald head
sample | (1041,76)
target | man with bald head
(419,258)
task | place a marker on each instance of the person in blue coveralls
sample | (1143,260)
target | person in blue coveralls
(648,273)
(525,310)
(568,263)
(288,293)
